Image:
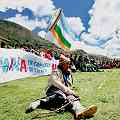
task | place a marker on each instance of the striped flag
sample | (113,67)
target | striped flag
(61,34)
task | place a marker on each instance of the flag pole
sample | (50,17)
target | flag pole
(56,20)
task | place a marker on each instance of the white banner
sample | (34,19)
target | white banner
(16,64)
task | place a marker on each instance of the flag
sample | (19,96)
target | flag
(61,34)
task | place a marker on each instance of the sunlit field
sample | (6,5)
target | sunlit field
(99,88)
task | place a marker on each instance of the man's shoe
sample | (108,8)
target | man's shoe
(86,113)
(28,110)
(33,106)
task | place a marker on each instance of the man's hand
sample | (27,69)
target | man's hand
(70,92)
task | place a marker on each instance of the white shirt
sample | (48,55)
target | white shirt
(56,79)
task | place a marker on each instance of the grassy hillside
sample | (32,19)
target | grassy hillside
(19,35)
(100,88)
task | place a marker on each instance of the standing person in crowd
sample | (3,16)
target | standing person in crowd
(58,95)
(66,71)
(80,59)
(72,65)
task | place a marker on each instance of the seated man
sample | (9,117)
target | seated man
(58,95)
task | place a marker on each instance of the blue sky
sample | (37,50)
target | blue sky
(95,21)
(76,8)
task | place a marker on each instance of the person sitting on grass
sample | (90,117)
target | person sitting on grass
(58,94)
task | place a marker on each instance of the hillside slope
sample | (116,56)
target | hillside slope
(19,35)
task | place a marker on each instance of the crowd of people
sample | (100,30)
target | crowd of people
(115,63)
(85,64)
(78,62)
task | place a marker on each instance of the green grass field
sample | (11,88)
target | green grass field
(99,88)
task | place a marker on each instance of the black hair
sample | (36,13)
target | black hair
(60,67)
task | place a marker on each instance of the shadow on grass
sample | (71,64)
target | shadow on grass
(43,115)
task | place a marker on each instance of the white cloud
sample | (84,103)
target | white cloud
(90,49)
(76,24)
(113,46)
(42,34)
(88,38)
(39,7)
(112,50)
(105,17)
(30,24)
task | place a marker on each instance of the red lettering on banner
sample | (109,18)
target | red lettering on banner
(23,66)
(54,67)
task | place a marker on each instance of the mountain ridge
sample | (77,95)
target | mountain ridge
(18,35)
